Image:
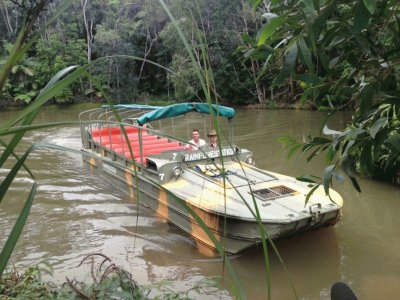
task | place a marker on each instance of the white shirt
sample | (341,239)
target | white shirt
(198,145)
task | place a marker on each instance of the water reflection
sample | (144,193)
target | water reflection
(78,211)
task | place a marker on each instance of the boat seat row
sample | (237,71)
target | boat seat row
(111,141)
(148,147)
(107,131)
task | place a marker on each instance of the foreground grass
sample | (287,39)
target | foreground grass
(29,285)
(105,281)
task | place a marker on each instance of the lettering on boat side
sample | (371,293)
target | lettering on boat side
(210,154)
(109,169)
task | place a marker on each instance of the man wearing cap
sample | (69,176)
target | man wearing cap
(213,139)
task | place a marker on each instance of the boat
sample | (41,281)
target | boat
(218,196)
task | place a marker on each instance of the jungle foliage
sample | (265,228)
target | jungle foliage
(116,29)
(339,54)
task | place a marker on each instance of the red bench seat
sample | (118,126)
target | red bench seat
(106,131)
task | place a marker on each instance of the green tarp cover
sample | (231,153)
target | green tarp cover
(183,108)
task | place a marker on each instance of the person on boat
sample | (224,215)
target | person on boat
(213,144)
(197,141)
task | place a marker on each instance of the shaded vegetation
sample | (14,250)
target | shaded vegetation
(335,55)
(105,281)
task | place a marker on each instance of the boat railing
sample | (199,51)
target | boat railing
(101,131)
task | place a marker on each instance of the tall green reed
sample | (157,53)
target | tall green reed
(206,79)
(23,42)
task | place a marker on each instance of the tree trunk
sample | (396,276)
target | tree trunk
(89,36)
(6,17)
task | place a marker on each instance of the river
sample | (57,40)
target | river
(77,212)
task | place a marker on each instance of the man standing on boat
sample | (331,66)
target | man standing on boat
(197,141)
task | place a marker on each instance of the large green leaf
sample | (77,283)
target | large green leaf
(347,166)
(370,5)
(305,51)
(363,42)
(309,4)
(361,18)
(327,178)
(269,29)
(393,143)
(13,237)
(16,138)
(321,21)
(310,193)
(289,64)
(5,184)
(366,159)
(374,129)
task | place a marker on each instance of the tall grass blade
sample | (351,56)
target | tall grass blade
(12,239)
(16,138)
(18,158)
(24,128)
(5,184)
(186,44)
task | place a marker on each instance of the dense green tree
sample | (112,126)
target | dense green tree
(340,54)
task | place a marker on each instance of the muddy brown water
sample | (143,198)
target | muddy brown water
(78,211)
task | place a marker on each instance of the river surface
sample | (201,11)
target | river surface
(78,212)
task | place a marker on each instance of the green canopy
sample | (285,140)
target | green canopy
(183,108)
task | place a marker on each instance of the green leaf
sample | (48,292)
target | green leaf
(314,153)
(254,4)
(17,158)
(25,128)
(327,178)
(333,62)
(355,184)
(309,78)
(293,151)
(330,154)
(5,184)
(362,41)
(320,140)
(310,194)
(269,29)
(28,119)
(365,159)
(291,57)
(309,4)
(374,129)
(305,51)
(324,60)
(328,131)
(370,5)
(346,165)
(361,18)
(307,178)
(12,239)
(288,66)
(393,143)
(321,21)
